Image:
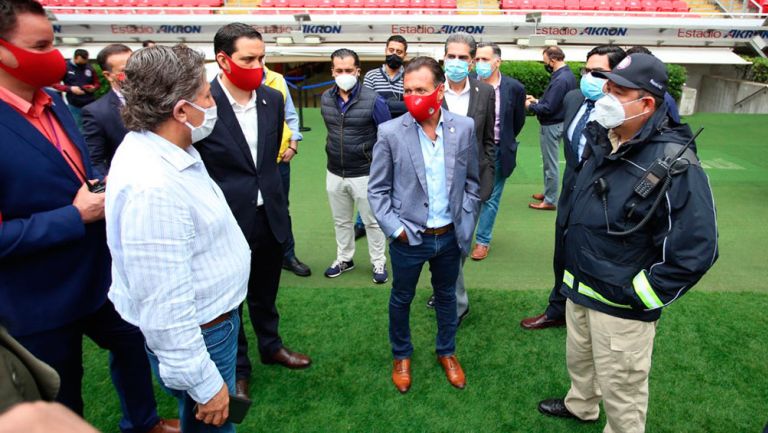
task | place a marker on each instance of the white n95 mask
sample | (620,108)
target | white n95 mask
(346,81)
(609,111)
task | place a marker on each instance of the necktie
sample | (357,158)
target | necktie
(579,129)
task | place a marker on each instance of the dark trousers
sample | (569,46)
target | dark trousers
(556,308)
(264,279)
(62,349)
(444,257)
(289,247)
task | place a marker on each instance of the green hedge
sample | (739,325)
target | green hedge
(535,78)
(758,70)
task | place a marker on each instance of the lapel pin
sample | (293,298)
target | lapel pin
(477,89)
(264,101)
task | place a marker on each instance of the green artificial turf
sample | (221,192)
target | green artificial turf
(710,372)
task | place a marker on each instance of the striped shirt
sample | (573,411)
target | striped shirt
(378,81)
(179,259)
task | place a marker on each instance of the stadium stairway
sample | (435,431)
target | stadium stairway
(703,6)
(471,7)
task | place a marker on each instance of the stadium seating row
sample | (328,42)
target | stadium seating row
(599,5)
(348,6)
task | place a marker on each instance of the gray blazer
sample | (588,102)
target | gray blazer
(397,187)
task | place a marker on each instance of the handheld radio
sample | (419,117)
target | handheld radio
(660,169)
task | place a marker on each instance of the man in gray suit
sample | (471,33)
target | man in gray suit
(423,190)
(477,100)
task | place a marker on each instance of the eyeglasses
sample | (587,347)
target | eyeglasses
(585,71)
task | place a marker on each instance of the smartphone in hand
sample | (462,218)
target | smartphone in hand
(238,408)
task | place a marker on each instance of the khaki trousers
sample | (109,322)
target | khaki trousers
(344,193)
(609,359)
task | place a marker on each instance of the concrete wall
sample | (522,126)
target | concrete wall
(718,94)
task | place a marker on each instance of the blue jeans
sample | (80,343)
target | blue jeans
(490,208)
(221,341)
(442,253)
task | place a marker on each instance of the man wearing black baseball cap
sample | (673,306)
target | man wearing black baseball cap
(641,232)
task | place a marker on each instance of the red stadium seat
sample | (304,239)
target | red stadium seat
(557,5)
(402,4)
(296,3)
(417,6)
(587,5)
(525,4)
(603,5)
(618,5)
(571,5)
(386,6)
(664,6)
(447,4)
(634,6)
(540,4)
(648,5)
(509,4)
(680,6)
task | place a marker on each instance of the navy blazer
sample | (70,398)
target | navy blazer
(512,119)
(229,161)
(103,130)
(53,268)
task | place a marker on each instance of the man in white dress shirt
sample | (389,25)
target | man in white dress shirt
(180,261)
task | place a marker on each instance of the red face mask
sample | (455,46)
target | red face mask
(246,79)
(422,107)
(35,68)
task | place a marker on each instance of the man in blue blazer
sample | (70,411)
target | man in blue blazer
(423,189)
(241,156)
(103,127)
(510,118)
(54,260)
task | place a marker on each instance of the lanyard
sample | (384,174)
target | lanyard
(55,140)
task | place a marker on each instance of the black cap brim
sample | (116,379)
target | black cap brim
(618,79)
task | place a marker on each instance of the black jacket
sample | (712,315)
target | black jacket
(482,109)
(512,115)
(104,130)
(634,276)
(229,161)
(352,134)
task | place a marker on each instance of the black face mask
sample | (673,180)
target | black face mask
(394,61)
(548,68)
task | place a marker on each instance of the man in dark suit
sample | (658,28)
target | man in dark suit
(54,260)
(510,118)
(578,106)
(103,128)
(469,97)
(241,156)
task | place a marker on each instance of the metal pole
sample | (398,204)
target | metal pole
(302,128)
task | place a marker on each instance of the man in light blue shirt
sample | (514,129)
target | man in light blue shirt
(423,190)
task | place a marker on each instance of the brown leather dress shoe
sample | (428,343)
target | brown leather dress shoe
(401,374)
(541,322)
(542,206)
(453,371)
(539,197)
(288,359)
(480,252)
(241,388)
(166,426)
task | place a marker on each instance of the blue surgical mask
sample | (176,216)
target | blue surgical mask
(456,70)
(592,87)
(484,70)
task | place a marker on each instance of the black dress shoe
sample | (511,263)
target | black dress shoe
(359,232)
(297,267)
(431,302)
(556,407)
(241,388)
